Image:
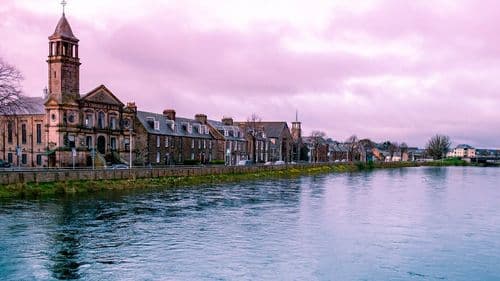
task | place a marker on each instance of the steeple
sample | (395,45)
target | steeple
(296,127)
(64,63)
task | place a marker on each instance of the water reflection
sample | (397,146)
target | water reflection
(65,247)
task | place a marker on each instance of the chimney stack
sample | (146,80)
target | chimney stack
(169,114)
(202,118)
(227,121)
(132,106)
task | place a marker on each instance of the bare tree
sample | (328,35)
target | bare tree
(11,99)
(352,145)
(317,138)
(253,128)
(393,149)
(438,146)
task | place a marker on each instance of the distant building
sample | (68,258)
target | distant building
(463,151)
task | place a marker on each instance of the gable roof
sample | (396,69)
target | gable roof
(102,94)
(272,129)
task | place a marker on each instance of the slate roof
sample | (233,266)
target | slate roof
(463,146)
(165,128)
(33,106)
(271,129)
(63,30)
(221,127)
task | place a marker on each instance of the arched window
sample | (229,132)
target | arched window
(100,120)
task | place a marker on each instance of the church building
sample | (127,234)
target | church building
(66,127)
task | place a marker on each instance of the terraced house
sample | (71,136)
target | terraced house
(165,139)
(234,147)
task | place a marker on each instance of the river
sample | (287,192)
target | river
(400,224)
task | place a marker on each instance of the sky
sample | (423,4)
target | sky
(381,69)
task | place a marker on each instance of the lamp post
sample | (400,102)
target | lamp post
(130,149)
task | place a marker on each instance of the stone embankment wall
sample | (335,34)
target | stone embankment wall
(46,176)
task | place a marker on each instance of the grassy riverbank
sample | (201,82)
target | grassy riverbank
(34,190)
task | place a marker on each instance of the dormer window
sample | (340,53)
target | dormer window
(190,128)
(157,125)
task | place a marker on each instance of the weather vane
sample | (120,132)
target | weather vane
(64,3)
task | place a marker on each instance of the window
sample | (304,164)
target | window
(157,141)
(9,132)
(113,143)
(127,144)
(158,157)
(192,155)
(71,141)
(38,133)
(157,125)
(53,117)
(24,159)
(23,133)
(166,141)
(100,120)
(88,142)
(112,122)
(39,160)
(192,143)
(9,157)
(89,123)
(199,144)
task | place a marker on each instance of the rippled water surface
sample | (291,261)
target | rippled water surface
(404,224)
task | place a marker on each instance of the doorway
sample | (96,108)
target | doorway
(101,145)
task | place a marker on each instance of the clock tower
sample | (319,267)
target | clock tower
(64,63)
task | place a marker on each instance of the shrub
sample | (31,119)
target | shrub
(217,162)
(191,162)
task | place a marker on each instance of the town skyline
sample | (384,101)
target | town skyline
(267,64)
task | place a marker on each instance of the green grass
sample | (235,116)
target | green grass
(34,190)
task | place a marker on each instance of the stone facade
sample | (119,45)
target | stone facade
(164,139)
(71,126)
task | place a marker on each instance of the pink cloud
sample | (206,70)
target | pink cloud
(166,60)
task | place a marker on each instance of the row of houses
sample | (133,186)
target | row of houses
(66,128)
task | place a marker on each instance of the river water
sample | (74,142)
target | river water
(402,224)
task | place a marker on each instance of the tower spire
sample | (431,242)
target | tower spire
(63,4)
(296,115)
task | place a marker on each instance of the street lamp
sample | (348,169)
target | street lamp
(130,149)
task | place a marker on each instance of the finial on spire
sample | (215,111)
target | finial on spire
(296,115)
(64,3)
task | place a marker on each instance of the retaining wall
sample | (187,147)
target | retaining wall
(45,176)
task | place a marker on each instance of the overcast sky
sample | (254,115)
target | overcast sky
(382,69)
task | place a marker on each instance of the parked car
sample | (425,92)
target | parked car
(244,163)
(279,162)
(118,167)
(268,163)
(4,164)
